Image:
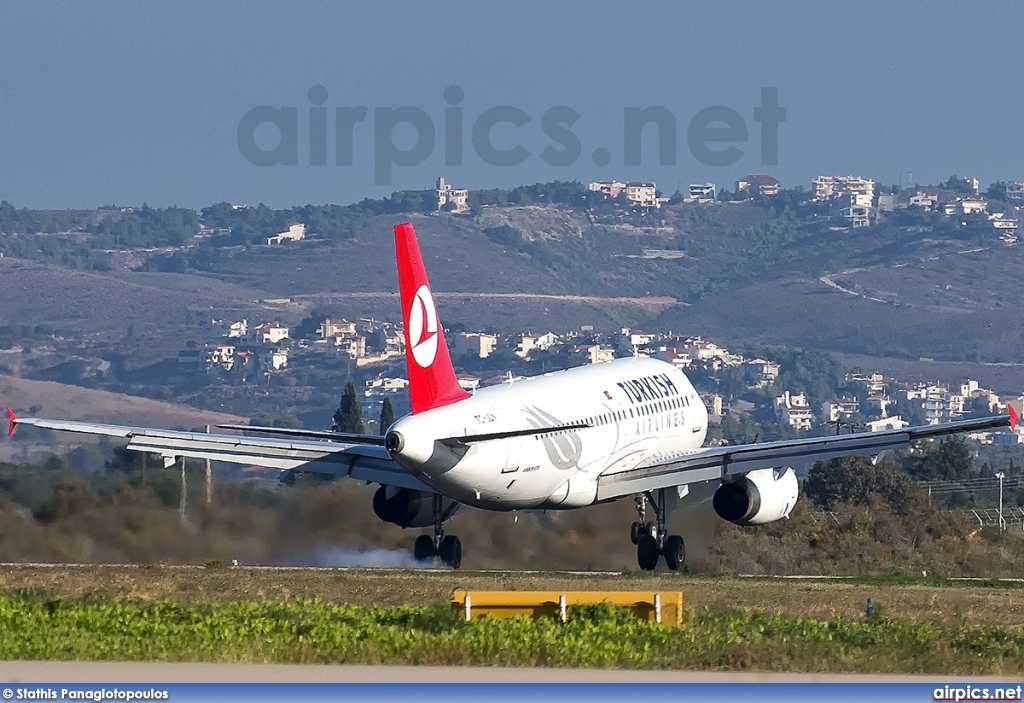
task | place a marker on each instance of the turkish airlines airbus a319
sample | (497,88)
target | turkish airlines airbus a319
(569,439)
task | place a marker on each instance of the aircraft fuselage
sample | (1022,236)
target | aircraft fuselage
(639,410)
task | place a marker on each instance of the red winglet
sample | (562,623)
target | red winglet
(1013,418)
(11,417)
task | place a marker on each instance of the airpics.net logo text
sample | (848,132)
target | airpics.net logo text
(500,136)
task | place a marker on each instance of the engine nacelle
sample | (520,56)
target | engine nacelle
(408,508)
(760,497)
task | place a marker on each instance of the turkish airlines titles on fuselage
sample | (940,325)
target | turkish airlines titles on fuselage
(637,409)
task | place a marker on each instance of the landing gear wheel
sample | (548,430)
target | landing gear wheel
(451,551)
(647,553)
(651,528)
(675,552)
(423,550)
(636,531)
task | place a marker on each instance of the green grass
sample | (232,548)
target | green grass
(898,580)
(33,626)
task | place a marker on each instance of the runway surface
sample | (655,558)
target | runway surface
(14,672)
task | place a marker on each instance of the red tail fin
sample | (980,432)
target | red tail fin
(432,381)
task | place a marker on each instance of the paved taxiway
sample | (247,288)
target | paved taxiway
(181,672)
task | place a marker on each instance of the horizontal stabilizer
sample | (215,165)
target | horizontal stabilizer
(345,437)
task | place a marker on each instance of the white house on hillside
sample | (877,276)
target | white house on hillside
(478,344)
(268,333)
(295,233)
(794,410)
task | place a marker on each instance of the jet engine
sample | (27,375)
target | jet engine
(757,498)
(408,508)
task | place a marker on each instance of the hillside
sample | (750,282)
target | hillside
(956,308)
(742,274)
(146,316)
(736,272)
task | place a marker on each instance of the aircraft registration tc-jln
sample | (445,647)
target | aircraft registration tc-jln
(568,439)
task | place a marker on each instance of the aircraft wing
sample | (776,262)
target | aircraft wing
(727,461)
(363,462)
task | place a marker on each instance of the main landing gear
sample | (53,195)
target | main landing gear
(651,539)
(448,548)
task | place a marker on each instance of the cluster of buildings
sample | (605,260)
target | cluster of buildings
(969,209)
(853,199)
(236,348)
(852,195)
(296,232)
(637,193)
(850,199)
(871,399)
(746,187)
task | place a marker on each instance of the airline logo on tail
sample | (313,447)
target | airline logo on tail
(422,323)
(432,381)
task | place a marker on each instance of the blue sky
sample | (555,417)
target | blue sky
(124,103)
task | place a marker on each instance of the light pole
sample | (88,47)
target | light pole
(1002,523)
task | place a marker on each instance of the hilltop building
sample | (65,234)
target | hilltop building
(335,328)
(274,360)
(477,344)
(837,409)
(703,191)
(1005,227)
(642,194)
(925,201)
(854,195)
(453,199)
(829,187)
(295,233)
(965,206)
(637,193)
(759,183)
(794,410)
(232,329)
(268,333)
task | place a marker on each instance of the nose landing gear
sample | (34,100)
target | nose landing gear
(651,538)
(447,547)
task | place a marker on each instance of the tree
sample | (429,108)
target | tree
(348,417)
(387,416)
(996,191)
(910,410)
(950,461)
(958,185)
(69,497)
(856,481)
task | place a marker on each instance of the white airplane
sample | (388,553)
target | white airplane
(568,439)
